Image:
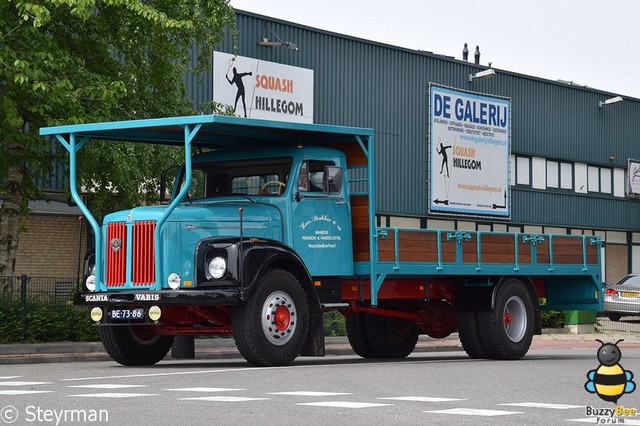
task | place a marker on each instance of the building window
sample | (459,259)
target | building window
(523,170)
(553,179)
(566,176)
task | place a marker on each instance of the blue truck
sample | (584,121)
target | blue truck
(271,224)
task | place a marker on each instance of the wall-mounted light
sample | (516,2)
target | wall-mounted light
(483,74)
(611,101)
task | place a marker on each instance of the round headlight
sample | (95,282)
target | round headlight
(96,314)
(217,267)
(155,313)
(174,281)
(91,283)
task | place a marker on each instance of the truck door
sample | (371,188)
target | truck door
(321,225)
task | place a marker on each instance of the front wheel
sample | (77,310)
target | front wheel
(270,328)
(135,345)
(507,331)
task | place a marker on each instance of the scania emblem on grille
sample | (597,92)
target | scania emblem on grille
(116,243)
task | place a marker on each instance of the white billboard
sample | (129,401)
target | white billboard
(470,138)
(262,89)
(633,184)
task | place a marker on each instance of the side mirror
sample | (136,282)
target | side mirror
(163,188)
(333,179)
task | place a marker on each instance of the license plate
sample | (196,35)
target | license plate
(629,294)
(126,314)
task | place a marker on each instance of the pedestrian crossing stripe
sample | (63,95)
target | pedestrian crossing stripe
(344,404)
(223,399)
(423,399)
(18,383)
(543,405)
(21,392)
(113,395)
(310,393)
(474,412)
(108,386)
(205,389)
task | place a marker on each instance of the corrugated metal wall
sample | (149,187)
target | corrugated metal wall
(361,83)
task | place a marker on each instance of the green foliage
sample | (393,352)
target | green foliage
(552,319)
(334,324)
(78,61)
(46,322)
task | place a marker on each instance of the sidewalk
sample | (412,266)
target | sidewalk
(224,348)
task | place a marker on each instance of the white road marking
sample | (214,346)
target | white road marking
(544,405)
(108,386)
(310,393)
(113,395)
(9,377)
(423,399)
(23,383)
(344,404)
(223,399)
(474,412)
(21,392)
(205,390)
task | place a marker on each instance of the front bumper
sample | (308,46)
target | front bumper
(217,296)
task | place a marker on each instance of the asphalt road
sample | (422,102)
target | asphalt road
(546,387)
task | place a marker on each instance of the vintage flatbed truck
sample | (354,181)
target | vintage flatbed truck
(274,223)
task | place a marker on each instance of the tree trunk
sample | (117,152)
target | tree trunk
(10,206)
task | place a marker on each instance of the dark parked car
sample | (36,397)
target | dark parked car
(623,297)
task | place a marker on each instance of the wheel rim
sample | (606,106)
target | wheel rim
(515,319)
(279,318)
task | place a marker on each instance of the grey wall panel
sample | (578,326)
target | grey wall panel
(361,83)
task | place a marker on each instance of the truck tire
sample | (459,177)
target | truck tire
(357,335)
(470,335)
(138,345)
(270,328)
(391,337)
(507,331)
(613,316)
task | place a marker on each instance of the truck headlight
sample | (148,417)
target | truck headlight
(90,283)
(217,267)
(174,281)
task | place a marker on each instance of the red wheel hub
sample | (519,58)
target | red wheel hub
(282,318)
(508,318)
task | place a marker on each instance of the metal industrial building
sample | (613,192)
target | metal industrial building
(569,152)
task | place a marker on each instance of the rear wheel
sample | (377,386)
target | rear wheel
(271,327)
(391,337)
(357,334)
(507,330)
(137,345)
(470,335)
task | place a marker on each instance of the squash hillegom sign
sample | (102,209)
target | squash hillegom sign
(469,138)
(262,89)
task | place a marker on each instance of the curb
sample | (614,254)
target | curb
(220,348)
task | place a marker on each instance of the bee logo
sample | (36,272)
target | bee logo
(609,381)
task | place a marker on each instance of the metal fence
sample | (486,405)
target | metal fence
(626,324)
(23,291)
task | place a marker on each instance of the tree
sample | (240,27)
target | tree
(75,61)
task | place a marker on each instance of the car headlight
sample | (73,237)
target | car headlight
(217,267)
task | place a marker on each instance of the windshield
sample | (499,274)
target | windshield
(246,177)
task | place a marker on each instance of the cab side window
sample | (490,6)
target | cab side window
(311,177)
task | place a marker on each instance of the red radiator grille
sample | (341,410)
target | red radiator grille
(143,267)
(116,254)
